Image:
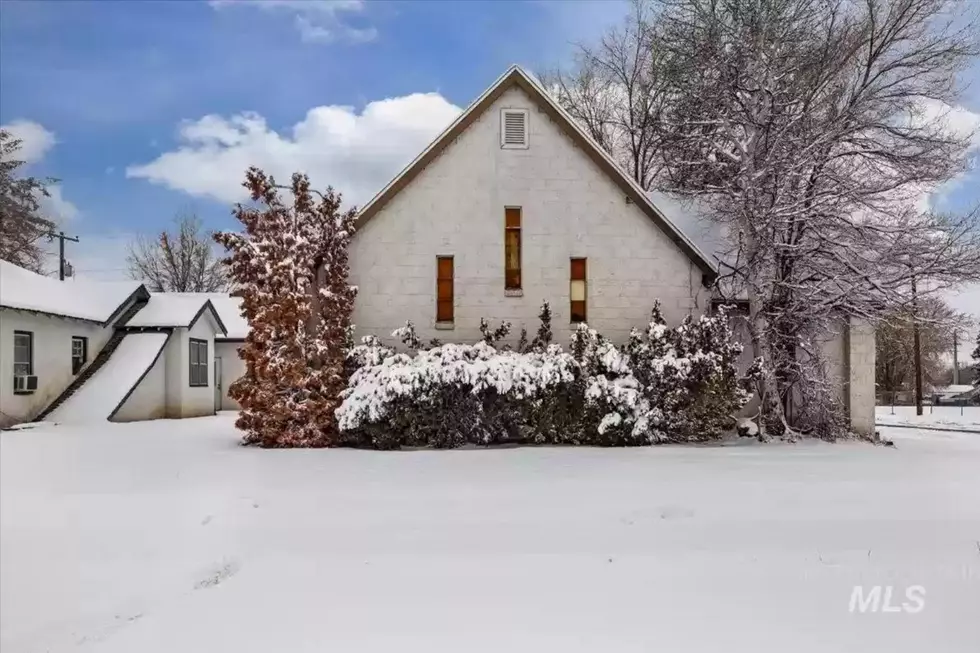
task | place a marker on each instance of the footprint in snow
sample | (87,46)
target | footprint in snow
(219,575)
(676,512)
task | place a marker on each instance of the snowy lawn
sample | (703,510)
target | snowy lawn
(952,417)
(167,536)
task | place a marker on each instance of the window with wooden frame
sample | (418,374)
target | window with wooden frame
(23,353)
(444,289)
(512,248)
(79,353)
(198,362)
(577,290)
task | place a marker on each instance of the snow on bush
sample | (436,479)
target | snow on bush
(664,385)
(448,395)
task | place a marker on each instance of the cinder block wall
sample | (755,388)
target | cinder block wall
(569,209)
(860,352)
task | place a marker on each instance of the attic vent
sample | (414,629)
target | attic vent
(513,128)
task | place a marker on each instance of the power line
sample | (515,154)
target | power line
(61,250)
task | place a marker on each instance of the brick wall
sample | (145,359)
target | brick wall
(570,209)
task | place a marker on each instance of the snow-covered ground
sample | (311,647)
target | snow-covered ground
(944,417)
(167,536)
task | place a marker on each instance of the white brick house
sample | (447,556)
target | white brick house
(571,202)
(500,211)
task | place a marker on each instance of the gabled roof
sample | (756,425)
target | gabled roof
(228,308)
(167,310)
(91,301)
(516,76)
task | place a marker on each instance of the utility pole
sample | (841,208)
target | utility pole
(956,363)
(61,250)
(916,350)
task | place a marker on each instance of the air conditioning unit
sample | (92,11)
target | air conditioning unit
(25,383)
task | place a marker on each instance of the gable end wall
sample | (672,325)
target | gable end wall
(455,206)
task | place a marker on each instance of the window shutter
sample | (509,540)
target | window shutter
(513,128)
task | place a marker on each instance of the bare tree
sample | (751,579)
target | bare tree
(182,260)
(619,90)
(976,367)
(894,359)
(812,128)
(22,226)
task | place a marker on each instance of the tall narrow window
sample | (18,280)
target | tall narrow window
(79,353)
(198,350)
(444,289)
(512,248)
(23,353)
(577,290)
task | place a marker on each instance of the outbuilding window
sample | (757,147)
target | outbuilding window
(79,353)
(23,353)
(198,363)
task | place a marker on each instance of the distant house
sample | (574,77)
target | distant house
(81,351)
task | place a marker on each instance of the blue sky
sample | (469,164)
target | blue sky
(113,81)
(151,107)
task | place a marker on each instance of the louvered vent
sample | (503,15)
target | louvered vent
(513,128)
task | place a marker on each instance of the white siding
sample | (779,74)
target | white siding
(232,367)
(149,399)
(570,208)
(52,359)
(182,400)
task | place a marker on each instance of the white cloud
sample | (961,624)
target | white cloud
(317,21)
(957,121)
(56,207)
(36,142)
(356,153)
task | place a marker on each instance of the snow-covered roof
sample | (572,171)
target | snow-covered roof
(95,301)
(954,389)
(230,310)
(167,309)
(227,308)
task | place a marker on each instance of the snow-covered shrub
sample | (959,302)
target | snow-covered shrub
(710,392)
(448,395)
(543,337)
(408,336)
(663,384)
(493,336)
(371,351)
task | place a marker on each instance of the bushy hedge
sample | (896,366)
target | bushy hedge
(664,384)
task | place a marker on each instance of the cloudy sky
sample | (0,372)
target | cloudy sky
(146,108)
